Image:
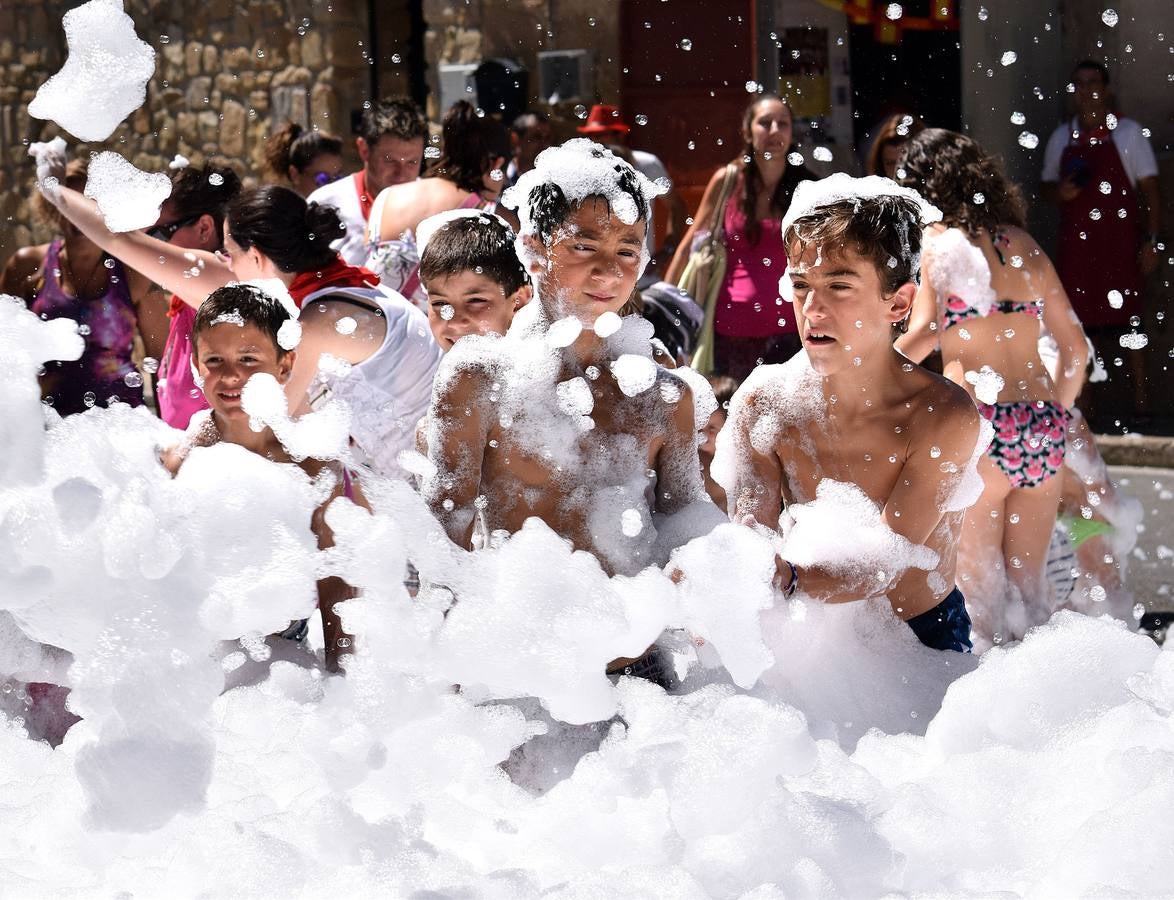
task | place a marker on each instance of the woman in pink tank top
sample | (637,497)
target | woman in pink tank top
(751,323)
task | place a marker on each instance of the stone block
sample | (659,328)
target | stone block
(289,103)
(227,82)
(192,54)
(237,59)
(186,125)
(210,58)
(311,46)
(7,50)
(232,128)
(199,92)
(141,121)
(324,109)
(208,124)
(31,58)
(259,100)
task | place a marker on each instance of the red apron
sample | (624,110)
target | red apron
(1098,247)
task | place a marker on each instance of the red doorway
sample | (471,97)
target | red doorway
(688,95)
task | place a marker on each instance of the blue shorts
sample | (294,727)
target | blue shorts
(946,626)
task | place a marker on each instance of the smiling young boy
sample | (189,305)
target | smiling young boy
(568,419)
(235,336)
(471,273)
(852,409)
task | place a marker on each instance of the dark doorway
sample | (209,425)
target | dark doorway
(920,74)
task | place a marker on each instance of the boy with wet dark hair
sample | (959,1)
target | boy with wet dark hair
(235,336)
(853,410)
(471,272)
(568,418)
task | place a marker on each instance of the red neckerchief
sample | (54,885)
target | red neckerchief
(175,307)
(337,274)
(366,201)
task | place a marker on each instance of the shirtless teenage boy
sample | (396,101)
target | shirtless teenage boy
(853,409)
(568,418)
(235,337)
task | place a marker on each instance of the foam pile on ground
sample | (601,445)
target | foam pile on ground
(128,198)
(105,75)
(1044,769)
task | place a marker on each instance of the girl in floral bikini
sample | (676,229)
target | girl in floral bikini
(985,286)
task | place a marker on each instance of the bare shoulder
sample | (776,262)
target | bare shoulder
(1020,242)
(944,408)
(469,371)
(24,267)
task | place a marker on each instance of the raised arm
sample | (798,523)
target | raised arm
(757,489)
(700,222)
(189,274)
(458,431)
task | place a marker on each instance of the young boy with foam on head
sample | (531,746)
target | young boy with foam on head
(568,419)
(471,273)
(863,459)
(240,331)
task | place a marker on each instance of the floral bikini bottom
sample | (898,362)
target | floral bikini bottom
(1030,439)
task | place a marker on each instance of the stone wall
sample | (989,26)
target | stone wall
(226,72)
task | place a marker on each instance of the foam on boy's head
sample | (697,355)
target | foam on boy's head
(563,177)
(873,215)
(463,240)
(245,304)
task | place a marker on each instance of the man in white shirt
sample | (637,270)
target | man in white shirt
(391,141)
(1100,169)
(604,126)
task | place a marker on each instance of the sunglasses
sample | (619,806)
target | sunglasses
(324,178)
(166,232)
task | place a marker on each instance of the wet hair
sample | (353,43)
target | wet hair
(294,234)
(950,170)
(528,120)
(885,229)
(895,131)
(1092,65)
(481,243)
(292,145)
(76,173)
(470,144)
(752,178)
(242,303)
(396,116)
(550,208)
(204,190)
(724,387)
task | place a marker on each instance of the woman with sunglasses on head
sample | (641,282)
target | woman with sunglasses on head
(72,277)
(271,233)
(304,160)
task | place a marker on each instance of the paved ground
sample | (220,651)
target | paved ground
(1151,565)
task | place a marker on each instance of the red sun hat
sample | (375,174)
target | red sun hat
(604,118)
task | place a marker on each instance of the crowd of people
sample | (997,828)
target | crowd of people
(477,304)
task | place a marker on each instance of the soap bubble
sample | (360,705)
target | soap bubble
(1029,140)
(1110,17)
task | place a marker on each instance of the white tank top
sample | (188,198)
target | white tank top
(389,391)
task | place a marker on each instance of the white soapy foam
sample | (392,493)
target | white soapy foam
(321,434)
(105,75)
(128,198)
(988,384)
(811,195)
(634,374)
(860,764)
(958,269)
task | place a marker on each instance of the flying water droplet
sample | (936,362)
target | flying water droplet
(1110,17)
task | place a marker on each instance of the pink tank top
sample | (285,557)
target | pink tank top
(179,397)
(748,303)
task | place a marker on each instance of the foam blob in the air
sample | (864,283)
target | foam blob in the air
(105,75)
(128,198)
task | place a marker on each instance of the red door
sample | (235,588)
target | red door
(693,97)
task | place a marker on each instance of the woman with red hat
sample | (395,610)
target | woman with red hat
(750,323)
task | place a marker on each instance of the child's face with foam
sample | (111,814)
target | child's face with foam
(843,315)
(593,263)
(470,303)
(228,354)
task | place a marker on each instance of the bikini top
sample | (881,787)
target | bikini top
(960,274)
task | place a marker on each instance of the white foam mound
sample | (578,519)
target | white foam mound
(811,195)
(105,75)
(128,198)
(858,764)
(958,269)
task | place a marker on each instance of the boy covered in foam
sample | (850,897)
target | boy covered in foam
(568,418)
(887,443)
(239,332)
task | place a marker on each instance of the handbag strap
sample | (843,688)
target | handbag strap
(718,226)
